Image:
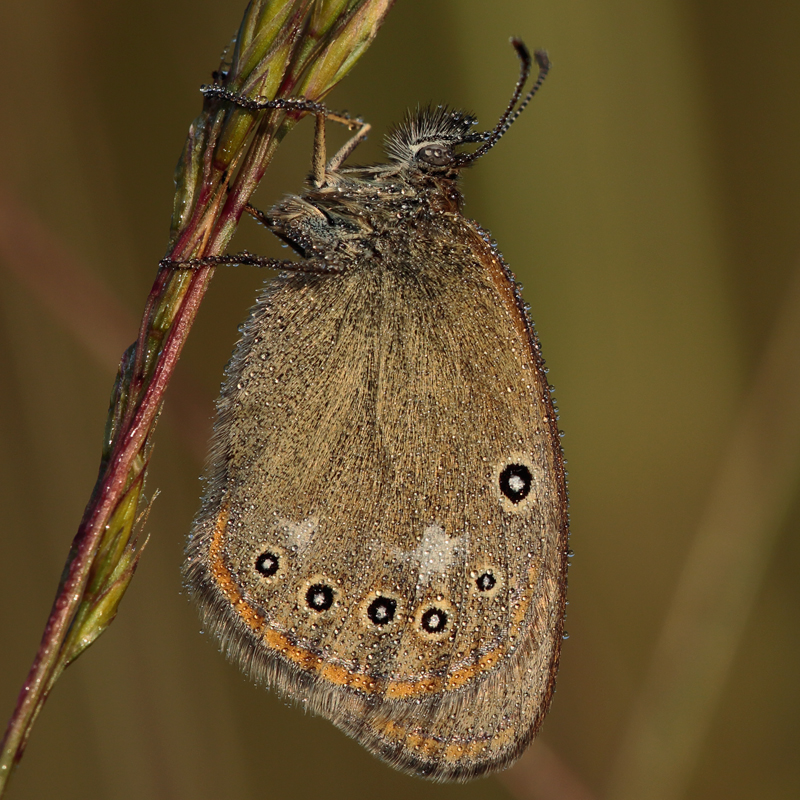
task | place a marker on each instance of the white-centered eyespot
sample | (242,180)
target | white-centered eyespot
(434,619)
(514,482)
(318,594)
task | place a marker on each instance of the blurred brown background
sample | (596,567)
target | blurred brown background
(649,202)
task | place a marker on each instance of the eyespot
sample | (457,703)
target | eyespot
(435,154)
(381,611)
(320,596)
(434,620)
(318,593)
(486,581)
(268,563)
(515,482)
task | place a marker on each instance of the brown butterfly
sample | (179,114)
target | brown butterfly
(383,536)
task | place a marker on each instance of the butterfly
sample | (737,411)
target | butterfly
(383,534)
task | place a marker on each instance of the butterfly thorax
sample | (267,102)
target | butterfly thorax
(360,211)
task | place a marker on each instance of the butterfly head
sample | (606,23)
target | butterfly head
(428,141)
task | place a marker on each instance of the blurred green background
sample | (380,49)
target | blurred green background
(649,202)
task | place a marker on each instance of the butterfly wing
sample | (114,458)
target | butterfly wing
(384,533)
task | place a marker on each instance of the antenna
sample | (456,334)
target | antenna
(512,112)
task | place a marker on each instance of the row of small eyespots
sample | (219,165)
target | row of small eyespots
(381,611)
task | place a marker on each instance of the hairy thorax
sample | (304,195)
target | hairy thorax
(377,213)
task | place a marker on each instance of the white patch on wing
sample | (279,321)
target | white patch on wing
(435,553)
(298,534)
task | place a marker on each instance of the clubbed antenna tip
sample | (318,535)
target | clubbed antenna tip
(515,107)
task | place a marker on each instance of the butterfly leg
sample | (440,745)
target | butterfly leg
(319,168)
(320,111)
(311,266)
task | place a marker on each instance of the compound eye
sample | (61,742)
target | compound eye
(435,154)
